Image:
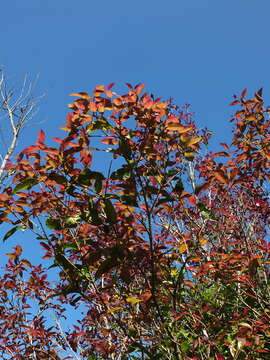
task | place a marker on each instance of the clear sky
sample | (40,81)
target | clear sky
(196,51)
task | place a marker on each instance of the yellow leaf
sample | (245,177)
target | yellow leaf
(193,141)
(183,248)
(183,138)
(159,179)
(203,241)
(189,155)
(132,301)
(117,308)
(162,105)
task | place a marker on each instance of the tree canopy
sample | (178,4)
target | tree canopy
(165,252)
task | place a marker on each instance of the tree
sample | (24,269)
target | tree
(166,253)
(17,108)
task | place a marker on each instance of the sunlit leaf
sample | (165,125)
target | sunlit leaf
(203,240)
(25,185)
(179,128)
(98,90)
(133,300)
(82,95)
(220,176)
(114,309)
(182,248)
(53,224)
(11,232)
(189,155)
(41,136)
(194,141)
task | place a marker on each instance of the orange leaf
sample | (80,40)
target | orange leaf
(18,250)
(225,146)
(203,241)
(220,153)
(233,173)
(117,102)
(146,296)
(220,176)
(117,308)
(98,90)
(139,88)
(109,141)
(82,95)
(92,106)
(26,263)
(179,128)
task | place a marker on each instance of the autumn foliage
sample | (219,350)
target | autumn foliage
(165,252)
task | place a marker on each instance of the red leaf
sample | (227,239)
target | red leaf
(221,153)
(235,102)
(108,90)
(86,158)
(243,93)
(18,250)
(29,149)
(225,146)
(41,137)
(57,139)
(46,246)
(201,187)
(129,85)
(220,176)
(219,357)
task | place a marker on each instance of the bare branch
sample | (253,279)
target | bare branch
(18,106)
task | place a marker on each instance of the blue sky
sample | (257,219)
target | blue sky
(196,51)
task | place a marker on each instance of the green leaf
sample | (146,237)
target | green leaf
(92,357)
(106,266)
(93,217)
(53,224)
(179,187)
(59,179)
(124,149)
(123,173)
(129,200)
(165,200)
(87,176)
(110,211)
(65,263)
(72,221)
(11,232)
(98,185)
(25,185)
(101,124)
(70,289)
(207,213)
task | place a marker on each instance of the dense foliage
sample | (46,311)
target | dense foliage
(166,252)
